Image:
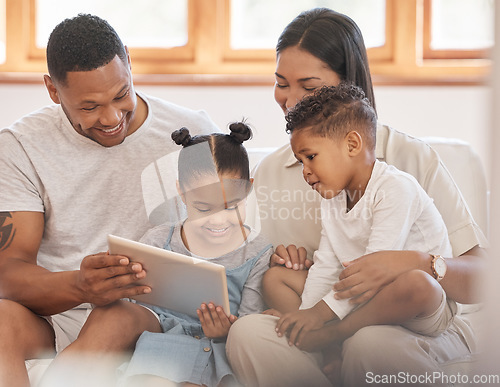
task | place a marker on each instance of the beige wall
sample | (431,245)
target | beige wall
(452,111)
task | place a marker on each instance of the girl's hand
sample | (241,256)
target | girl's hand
(214,322)
(291,257)
(366,276)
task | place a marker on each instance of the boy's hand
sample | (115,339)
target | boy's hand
(297,324)
(272,312)
(214,321)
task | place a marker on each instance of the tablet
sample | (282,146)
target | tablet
(178,282)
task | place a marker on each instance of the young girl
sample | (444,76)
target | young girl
(213,182)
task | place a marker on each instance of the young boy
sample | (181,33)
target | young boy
(367,206)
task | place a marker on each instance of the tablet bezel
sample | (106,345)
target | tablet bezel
(178,282)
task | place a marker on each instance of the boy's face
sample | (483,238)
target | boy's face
(327,166)
(216,210)
(101,104)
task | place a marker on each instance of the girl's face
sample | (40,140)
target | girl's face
(299,73)
(216,213)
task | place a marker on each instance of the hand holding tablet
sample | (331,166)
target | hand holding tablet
(178,282)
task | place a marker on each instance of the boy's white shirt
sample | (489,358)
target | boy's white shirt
(394,213)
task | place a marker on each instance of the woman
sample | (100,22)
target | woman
(322,47)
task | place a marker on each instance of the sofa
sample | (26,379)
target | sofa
(466,168)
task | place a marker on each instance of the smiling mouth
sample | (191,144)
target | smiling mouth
(218,231)
(112,131)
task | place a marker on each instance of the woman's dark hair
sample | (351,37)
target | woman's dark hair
(83,43)
(335,39)
(334,111)
(222,154)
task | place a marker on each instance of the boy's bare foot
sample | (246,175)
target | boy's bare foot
(332,363)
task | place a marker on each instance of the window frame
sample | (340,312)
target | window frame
(430,53)
(207,58)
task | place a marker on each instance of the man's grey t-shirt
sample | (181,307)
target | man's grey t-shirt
(87,191)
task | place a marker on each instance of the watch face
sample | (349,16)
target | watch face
(440,266)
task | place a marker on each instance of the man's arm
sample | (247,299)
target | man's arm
(102,278)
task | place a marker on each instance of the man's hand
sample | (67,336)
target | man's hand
(297,324)
(214,322)
(105,278)
(291,257)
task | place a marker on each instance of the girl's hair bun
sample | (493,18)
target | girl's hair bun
(240,132)
(181,137)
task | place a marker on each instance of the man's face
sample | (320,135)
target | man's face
(100,104)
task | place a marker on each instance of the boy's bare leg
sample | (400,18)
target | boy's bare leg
(283,287)
(106,340)
(412,294)
(332,363)
(24,336)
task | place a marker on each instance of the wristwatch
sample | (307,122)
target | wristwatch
(438,267)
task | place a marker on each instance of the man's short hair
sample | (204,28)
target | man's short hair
(83,43)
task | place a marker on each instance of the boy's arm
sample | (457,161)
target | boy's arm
(102,278)
(397,207)
(321,276)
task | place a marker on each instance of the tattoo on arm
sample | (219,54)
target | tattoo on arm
(7,230)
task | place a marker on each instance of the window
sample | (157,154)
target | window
(458,28)
(165,26)
(273,16)
(2,31)
(232,41)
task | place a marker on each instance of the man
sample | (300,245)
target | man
(70,174)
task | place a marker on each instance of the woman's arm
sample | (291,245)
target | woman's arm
(365,276)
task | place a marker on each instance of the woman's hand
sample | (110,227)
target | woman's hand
(214,322)
(365,276)
(291,257)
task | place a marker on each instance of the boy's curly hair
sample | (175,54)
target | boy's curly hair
(334,111)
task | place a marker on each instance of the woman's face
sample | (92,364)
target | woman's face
(299,73)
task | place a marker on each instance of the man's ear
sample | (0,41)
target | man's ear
(354,143)
(51,88)
(128,58)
